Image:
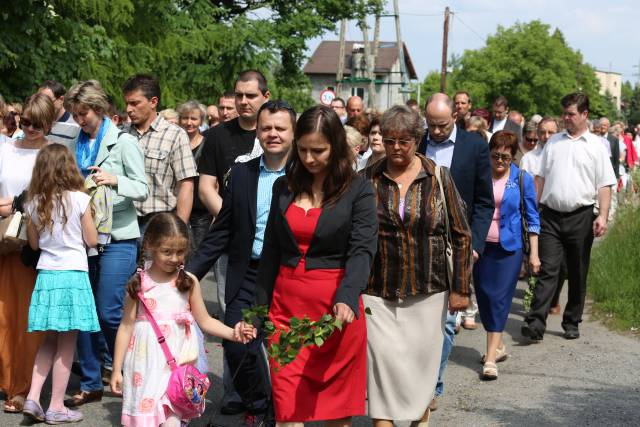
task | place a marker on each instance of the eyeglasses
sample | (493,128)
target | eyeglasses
(531,140)
(402,142)
(25,123)
(501,157)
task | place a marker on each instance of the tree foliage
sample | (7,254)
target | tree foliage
(195,47)
(528,63)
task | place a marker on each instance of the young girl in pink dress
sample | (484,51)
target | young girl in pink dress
(140,369)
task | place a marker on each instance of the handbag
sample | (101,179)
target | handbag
(448,250)
(13,233)
(526,245)
(187,386)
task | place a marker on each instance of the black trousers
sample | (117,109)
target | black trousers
(562,235)
(247,362)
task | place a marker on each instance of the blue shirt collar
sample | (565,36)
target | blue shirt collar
(264,167)
(451,139)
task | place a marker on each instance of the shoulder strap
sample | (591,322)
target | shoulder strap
(171,361)
(444,203)
(523,213)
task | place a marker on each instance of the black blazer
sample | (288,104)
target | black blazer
(346,237)
(471,173)
(234,229)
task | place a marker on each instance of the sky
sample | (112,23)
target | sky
(606,32)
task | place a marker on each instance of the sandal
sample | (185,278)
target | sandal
(490,371)
(501,355)
(14,405)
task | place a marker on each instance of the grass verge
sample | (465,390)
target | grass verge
(614,276)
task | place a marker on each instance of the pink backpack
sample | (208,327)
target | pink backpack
(187,386)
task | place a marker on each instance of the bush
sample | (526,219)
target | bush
(614,276)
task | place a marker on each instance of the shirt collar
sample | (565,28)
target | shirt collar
(584,135)
(264,167)
(452,137)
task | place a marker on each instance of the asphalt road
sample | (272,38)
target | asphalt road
(592,381)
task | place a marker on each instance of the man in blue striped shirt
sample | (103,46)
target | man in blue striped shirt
(239,231)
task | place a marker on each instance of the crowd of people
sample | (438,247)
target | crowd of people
(403,225)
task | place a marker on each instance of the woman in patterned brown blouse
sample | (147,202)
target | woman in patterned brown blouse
(408,291)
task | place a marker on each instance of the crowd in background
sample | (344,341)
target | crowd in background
(426,215)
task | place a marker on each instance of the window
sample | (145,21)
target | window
(331,88)
(357,91)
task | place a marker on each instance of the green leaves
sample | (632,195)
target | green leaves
(286,343)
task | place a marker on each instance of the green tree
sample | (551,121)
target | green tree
(531,65)
(194,47)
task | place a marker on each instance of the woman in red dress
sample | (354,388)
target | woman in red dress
(320,240)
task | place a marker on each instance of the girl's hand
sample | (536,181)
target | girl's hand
(343,312)
(244,332)
(116,383)
(534,263)
(101,177)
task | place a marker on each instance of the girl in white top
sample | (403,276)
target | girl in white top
(60,225)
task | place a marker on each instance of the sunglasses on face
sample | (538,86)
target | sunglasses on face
(501,157)
(531,140)
(25,123)
(402,142)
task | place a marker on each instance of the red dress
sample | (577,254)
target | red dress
(322,383)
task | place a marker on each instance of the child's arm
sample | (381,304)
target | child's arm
(241,333)
(125,330)
(89,231)
(32,235)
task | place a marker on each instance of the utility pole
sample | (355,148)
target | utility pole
(445,45)
(367,61)
(374,59)
(637,74)
(403,66)
(340,71)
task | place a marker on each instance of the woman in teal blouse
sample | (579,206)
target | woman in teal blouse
(112,158)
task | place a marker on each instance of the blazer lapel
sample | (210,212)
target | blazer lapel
(286,198)
(253,174)
(110,138)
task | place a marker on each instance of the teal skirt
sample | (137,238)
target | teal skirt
(63,301)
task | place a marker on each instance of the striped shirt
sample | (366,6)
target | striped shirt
(411,247)
(167,160)
(266,178)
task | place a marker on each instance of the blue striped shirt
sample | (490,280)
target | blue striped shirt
(266,178)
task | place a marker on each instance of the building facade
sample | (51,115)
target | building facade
(323,65)
(611,83)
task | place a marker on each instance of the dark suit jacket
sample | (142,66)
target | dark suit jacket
(510,126)
(615,154)
(471,173)
(346,236)
(234,229)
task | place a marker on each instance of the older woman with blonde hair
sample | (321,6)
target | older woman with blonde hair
(419,211)
(191,115)
(18,348)
(113,159)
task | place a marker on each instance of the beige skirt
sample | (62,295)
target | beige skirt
(404,345)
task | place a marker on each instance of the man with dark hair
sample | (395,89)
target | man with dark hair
(64,130)
(231,142)
(227,106)
(462,102)
(413,104)
(500,110)
(239,229)
(167,154)
(574,174)
(466,154)
(339,107)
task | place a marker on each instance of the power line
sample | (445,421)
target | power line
(469,28)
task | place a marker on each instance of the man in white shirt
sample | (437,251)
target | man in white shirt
(575,173)
(530,162)
(65,129)
(500,111)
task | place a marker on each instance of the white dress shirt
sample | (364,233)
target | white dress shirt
(574,169)
(531,161)
(498,125)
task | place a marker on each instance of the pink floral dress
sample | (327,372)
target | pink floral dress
(145,371)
